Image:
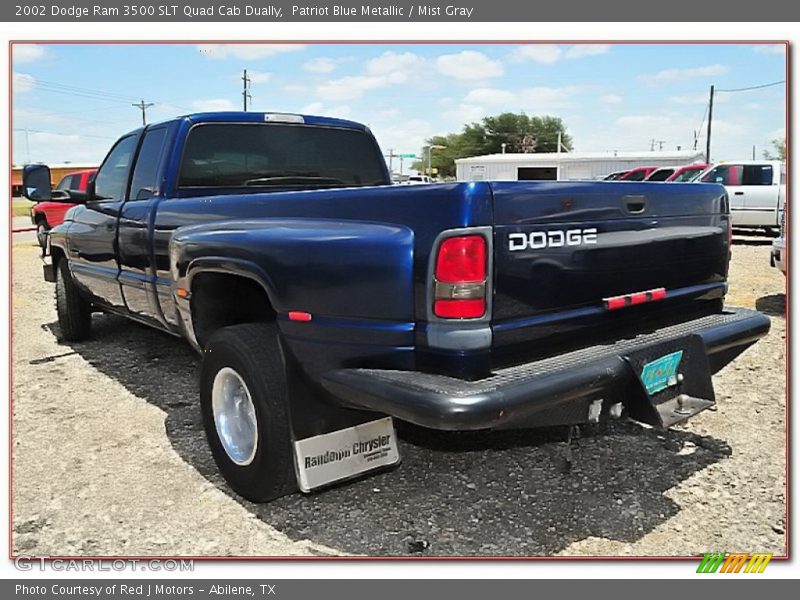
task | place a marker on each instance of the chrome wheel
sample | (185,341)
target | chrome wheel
(234,416)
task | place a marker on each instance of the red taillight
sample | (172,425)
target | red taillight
(462,259)
(460,278)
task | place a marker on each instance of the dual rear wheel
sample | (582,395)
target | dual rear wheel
(243,396)
(245,407)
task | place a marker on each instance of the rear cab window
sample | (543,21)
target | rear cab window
(144,183)
(279,156)
(636,175)
(757,175)
(687,175)
(661,175)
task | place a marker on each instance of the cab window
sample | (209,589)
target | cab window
(111,179)
(144,184)
(64,183)
(724,174)
(757,175)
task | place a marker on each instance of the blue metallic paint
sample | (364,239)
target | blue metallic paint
(358,259)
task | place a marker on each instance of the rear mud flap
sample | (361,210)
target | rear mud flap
(332,444)
(686,392)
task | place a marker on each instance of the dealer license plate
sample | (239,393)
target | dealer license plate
(661,373)
(346,453)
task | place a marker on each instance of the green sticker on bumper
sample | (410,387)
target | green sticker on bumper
(661,373)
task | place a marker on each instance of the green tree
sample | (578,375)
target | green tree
(525,134)
(779,150)
(519,132)
(442,159)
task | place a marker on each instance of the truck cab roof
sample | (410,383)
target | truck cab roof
(265,117)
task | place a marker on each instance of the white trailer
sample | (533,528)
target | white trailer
(566,166)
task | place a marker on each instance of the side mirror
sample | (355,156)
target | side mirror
(36,183)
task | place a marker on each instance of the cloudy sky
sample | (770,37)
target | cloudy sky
(71,102)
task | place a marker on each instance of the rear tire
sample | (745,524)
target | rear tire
(74,312)
(260,466)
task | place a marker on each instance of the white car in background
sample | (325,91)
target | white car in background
(418,180)
(756,190)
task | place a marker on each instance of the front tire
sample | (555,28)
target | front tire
(41,233)
(74,312)
(245,404)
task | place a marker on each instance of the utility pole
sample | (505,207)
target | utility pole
(431,148)
(246,89)
(708,131)
(143,107)
(27,147)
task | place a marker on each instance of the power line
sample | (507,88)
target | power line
(700,129)
(728,91)
(73,88)
(80,95)
(28,130)
(754,87)
(79,92)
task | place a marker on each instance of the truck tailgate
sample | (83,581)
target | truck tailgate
(561,248)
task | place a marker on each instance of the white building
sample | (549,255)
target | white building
(566,166)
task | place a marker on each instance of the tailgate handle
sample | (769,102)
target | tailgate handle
(634,204)
(738,193)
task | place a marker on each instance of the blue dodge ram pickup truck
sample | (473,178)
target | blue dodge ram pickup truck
(325,302)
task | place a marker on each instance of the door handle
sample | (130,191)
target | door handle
(738,193)
(634,204)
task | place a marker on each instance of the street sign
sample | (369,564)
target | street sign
(407,155)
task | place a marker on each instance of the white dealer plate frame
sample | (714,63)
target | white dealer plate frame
(344,454)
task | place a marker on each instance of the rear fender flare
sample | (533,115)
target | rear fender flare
(223,265)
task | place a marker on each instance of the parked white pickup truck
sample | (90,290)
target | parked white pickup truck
(756,189)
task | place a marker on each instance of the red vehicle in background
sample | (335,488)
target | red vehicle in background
(687,172)
(637,174)
(615,175)
(46,215)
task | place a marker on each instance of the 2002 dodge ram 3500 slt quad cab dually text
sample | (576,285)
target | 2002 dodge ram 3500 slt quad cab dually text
(325,302)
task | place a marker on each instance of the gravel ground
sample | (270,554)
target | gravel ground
(110,459)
